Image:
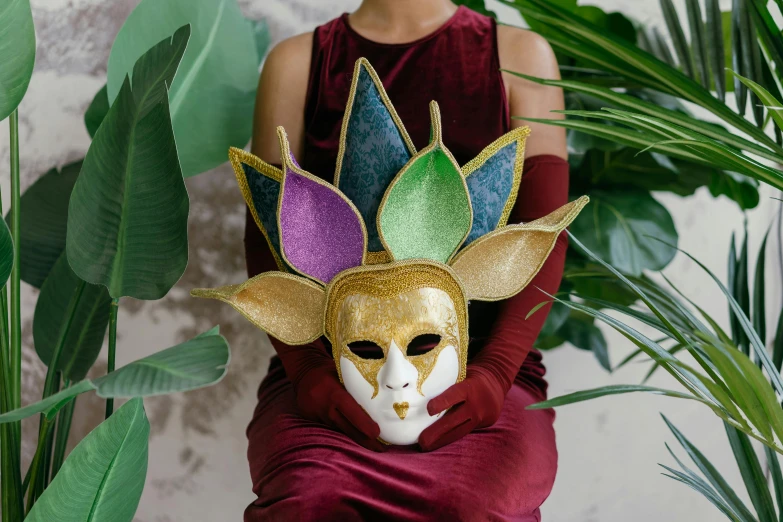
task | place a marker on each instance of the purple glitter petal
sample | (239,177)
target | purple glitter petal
(321,234)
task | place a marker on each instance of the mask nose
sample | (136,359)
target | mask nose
(397,373)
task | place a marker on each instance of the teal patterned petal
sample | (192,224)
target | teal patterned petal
(265,192)
(490,187)
(260,186)
(374,147)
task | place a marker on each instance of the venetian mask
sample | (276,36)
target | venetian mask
(384,261)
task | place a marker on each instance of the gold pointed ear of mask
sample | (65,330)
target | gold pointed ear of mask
(502,263)
(286,306)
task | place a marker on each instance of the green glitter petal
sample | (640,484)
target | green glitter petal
(426,211)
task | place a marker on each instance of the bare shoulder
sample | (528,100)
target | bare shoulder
(281,96)
(526,52)
(529,53)
(289,60)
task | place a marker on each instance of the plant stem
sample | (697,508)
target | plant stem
(10,447)
(115,306)
(16,323)
(63,430)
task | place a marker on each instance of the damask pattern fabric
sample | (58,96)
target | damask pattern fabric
(490,187)
(374,152)
(265,192)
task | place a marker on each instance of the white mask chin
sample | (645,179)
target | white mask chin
(397,386)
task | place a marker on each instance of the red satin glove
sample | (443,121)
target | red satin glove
(321,397)
(476,403)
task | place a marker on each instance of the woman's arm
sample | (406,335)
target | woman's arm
(280,101)
(477,401)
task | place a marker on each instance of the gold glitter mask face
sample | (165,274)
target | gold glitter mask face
(419,323)
(399,339)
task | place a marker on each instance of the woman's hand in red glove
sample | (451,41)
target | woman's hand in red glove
(320,396)
(475,403)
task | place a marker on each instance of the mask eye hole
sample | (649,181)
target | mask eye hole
(422,344)
(366,349)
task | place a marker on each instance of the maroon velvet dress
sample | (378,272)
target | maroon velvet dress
(303,470)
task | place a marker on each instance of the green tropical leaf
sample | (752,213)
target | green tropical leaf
(127,221)
(711,473)
(664,77)
(615,389)
(752,474)
(766,98)
(759,316)
(715,46)
(214,90)
(6,253)
(737,63)
(741,292)
(199,362)
(582,333)
(681,46)
(777,344)
(43,222)
(103,477)
(656,110)
(617,225)
(698,42)
(751,57)
(746,326)
(768,31)
(17,47)
(96,112)
(88,324)
(777,475)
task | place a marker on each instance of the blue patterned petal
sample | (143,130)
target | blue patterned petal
(493,180)
(260,185)
(374,146)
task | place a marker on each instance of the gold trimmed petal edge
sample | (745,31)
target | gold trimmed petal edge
(363,62)
(237,157)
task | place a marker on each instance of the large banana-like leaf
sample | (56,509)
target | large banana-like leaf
(43,220)
(87,325)
(96,112)
(103,477)
(17,53)
(213,93)
(199,362)
(128,214)
(624,219)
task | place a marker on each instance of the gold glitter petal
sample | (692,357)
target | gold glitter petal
(285,306)
(500,264)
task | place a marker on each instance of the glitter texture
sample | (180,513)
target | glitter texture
(426,210)
(502,263)
(321,232)
(401,409)
(396,302)
(285,306)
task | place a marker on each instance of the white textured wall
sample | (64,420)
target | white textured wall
(609,449)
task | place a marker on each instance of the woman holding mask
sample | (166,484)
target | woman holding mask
(313,451)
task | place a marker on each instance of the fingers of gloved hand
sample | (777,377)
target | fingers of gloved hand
(452,396)
(344,425)
(355,414)
(454,425)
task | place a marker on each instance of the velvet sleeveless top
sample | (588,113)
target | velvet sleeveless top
(457,66)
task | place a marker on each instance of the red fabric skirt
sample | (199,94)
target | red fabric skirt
(304,471)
